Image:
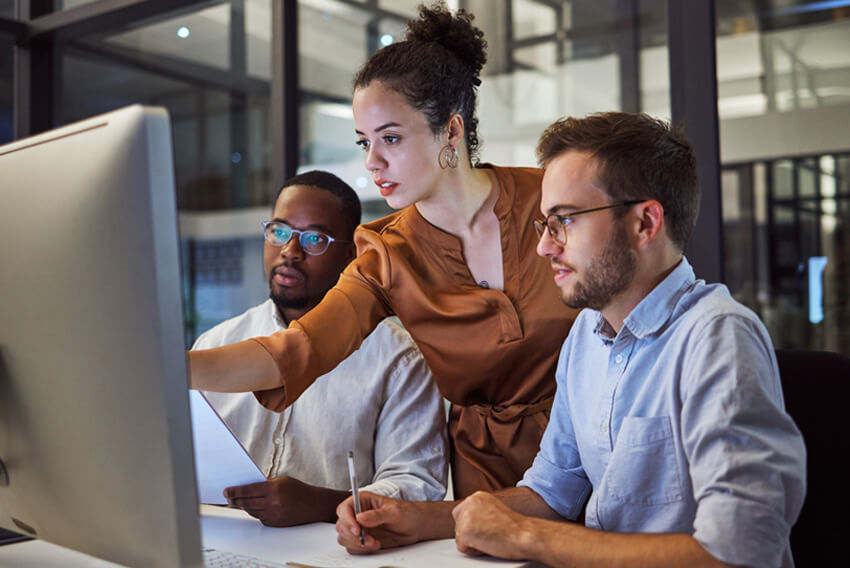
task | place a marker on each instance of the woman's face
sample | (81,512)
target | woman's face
(401,151)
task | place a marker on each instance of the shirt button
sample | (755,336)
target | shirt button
(618,359)
(604,427)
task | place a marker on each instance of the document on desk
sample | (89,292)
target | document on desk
(220,460)
(442,553)
(315,546)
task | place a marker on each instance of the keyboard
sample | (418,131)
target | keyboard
(222,559)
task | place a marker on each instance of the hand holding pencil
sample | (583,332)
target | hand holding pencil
(355,490)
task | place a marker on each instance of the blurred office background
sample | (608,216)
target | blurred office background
(260,89)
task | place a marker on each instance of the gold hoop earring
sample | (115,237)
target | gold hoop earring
(448,157)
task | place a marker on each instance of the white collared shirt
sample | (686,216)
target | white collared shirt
(381,402)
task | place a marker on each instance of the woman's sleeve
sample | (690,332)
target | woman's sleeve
(318,341)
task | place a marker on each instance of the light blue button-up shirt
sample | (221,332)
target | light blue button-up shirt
(676,424)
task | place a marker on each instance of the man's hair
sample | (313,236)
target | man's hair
(329,182)
(637,157)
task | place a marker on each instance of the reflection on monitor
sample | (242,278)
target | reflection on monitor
(95,436)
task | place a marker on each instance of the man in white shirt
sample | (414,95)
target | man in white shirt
(380,402)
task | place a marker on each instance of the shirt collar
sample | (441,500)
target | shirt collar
(272,308)
(656,308)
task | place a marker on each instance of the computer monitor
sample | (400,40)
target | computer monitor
(95,435)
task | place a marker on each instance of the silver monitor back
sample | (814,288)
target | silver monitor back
(95,435)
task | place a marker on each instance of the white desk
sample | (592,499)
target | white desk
(234,531)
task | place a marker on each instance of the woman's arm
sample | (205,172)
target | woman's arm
(240,367)
(278,368)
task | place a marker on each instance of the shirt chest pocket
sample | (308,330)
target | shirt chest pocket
(643,468)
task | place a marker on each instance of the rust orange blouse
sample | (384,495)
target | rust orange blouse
(493,353)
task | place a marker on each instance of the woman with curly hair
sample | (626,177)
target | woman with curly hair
(456,263)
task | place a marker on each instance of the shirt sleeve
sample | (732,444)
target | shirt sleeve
(411,447)
(747,458)
(315,343)
(203,343)
(208,340)
(556,473)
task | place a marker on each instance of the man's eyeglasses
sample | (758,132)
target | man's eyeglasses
(556,225)
(312,242)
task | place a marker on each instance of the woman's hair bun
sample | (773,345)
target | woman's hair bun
(455,32)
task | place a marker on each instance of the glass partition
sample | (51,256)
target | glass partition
(778,70)
(189,65)
(784,86)
(569,58)
(788,248)
(211,69)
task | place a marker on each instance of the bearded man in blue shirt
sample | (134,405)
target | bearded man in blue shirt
(669,412)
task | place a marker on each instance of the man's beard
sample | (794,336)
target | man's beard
(285,302)
(606,275)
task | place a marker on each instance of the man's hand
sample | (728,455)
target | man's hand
(388,523)
(485,525)
(285,501)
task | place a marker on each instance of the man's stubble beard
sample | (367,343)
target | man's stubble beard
(285,302)
(606,275)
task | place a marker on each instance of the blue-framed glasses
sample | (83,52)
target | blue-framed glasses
(557,225)
(312,242)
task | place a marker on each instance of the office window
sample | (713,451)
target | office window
(784,84)
(788,247)
(196,65)
(783,58)
(410,8)
(547,60)
(210,68)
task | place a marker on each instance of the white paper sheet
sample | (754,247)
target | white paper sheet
(442,553)
(220,460)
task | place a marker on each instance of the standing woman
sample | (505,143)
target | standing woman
(457,264)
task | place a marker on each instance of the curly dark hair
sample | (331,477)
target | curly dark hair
(637,157)
(436,68)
